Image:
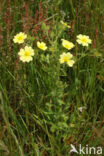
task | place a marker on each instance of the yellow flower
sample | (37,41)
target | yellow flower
(97,54)
(19,38)
(41,45)
(26,54)
(84,40)
(65,24)
(82,108)
(68,45)
(67,58)
(72,125)
(51,49)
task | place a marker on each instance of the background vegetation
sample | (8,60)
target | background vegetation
(40,101)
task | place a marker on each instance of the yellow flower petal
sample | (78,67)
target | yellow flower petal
(67,58)
(65,24)
(70,63)
(83,40)
(26,54)
(19,38)
(68,45)
(41,45)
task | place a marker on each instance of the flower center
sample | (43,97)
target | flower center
(41,46)
(20,38)
(65,24)
(84,40)
(27,53)
(66,59)
(67,46)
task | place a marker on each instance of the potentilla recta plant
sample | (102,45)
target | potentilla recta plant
(46,62)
